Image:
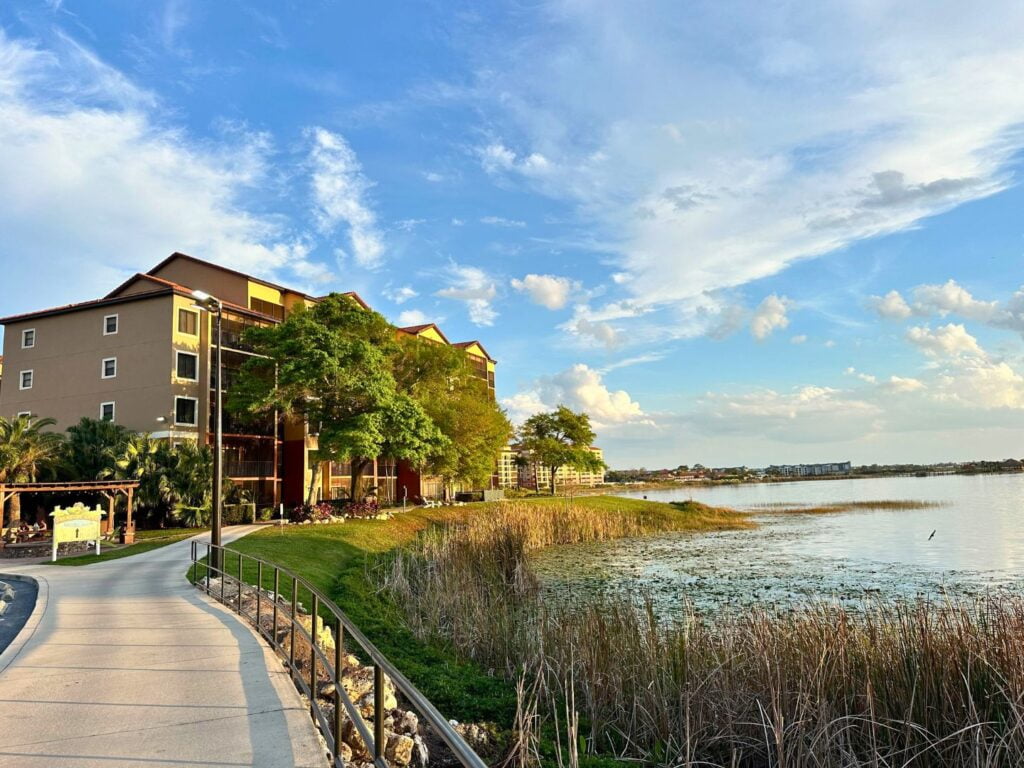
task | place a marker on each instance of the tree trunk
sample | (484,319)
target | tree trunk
(553,471)
(357,473)
(313,482)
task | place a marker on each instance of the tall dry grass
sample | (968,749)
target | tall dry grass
(897,684)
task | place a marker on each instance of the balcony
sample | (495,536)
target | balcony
(235,468)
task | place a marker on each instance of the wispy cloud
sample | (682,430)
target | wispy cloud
(475,288)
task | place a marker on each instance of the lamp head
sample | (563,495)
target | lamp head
(201,295)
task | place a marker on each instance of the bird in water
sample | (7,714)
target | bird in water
(932,536)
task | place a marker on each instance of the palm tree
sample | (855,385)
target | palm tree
(189,482)
(145,459)
(26,451)
(91,447)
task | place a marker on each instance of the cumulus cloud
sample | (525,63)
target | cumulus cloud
(475,288)
(400,295)
(583,389)
(496,157)
(549,291)
(953,298)
(903,384)
(892,306)
(339,194)
(769,316)
(411,317)
(951,340)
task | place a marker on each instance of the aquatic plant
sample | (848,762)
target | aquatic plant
(895,684)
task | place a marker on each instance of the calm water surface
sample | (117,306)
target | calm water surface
(977,548)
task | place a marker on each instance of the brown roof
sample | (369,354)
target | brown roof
(107,301)
(465,344)
(416,330)
(179,255)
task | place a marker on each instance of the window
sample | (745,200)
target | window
(268,308)
(188,322)
(27,379)
(187,366)
(109,368)
(185,410)
(28,338)
(110,325)
(106,411)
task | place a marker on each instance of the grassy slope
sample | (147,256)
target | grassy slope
(144,542)
(335,559)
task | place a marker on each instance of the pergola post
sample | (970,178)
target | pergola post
(128,536)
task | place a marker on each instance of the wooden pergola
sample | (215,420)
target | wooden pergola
(108,489)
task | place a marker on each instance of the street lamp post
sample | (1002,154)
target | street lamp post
(212,304)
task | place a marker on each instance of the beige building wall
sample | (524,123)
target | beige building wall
(67,364)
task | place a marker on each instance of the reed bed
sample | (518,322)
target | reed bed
(784,508)
(897,684)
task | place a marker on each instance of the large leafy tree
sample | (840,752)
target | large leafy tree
(145,459)
(441,379)
(560,438)
(27,451)
(89,448)
(331,366)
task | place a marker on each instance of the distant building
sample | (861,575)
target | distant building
(514,472)
(809,470)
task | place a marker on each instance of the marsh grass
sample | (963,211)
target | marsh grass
(894,684)
(786,508)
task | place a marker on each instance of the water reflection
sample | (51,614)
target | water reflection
(978,547)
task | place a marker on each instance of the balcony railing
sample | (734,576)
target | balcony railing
(248,468)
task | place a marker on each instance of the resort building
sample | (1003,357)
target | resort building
(141,356)
(809,470)
(515,470)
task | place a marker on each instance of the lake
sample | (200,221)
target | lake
(792,559)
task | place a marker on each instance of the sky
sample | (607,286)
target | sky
(734,233)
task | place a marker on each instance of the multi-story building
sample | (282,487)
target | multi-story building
(141,356)
(809,470)
(516,470)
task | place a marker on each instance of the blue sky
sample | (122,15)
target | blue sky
(734,234)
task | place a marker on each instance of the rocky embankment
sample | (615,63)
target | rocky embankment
(409,741)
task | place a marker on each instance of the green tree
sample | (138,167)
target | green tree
(561,438)
(26,452)
(187,482)
(89,448)
(442,380)
(330,366)
(145,459)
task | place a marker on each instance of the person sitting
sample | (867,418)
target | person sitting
(24,532)
(42,525)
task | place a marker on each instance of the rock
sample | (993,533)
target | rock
(6,593)
(409,723)
(350,736)
(476,737)
(346,753)
(358,683)
(399,749)
(324,636)
(326,689)
(365,703)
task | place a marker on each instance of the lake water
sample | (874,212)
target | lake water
(977,547)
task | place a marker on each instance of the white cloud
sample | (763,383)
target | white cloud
(800,338)
(865,377)
(339,194)
(475,288)
(903,384)
(583,389)
(85,148)
(433,177)
(401,294)
(769,316)
(951,340)
(892,306)
(549,291)
(499,221)
(952,298)
(411,317)
(772,156)
(408,225)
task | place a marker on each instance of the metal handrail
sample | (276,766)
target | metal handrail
(375,742)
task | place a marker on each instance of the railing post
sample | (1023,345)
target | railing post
(222,569)
(312,658)
(239,582)
(277,587)
(339,665)
(208,561)
(295,610)
(259,595)
(378,712)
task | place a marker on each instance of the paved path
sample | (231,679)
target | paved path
(123,663)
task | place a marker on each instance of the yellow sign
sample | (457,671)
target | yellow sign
(76,523)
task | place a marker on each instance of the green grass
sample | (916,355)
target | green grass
(145,541)
(335,559)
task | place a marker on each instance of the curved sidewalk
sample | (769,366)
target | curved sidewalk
(123,663)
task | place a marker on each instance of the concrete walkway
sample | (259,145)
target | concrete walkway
(123,663)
